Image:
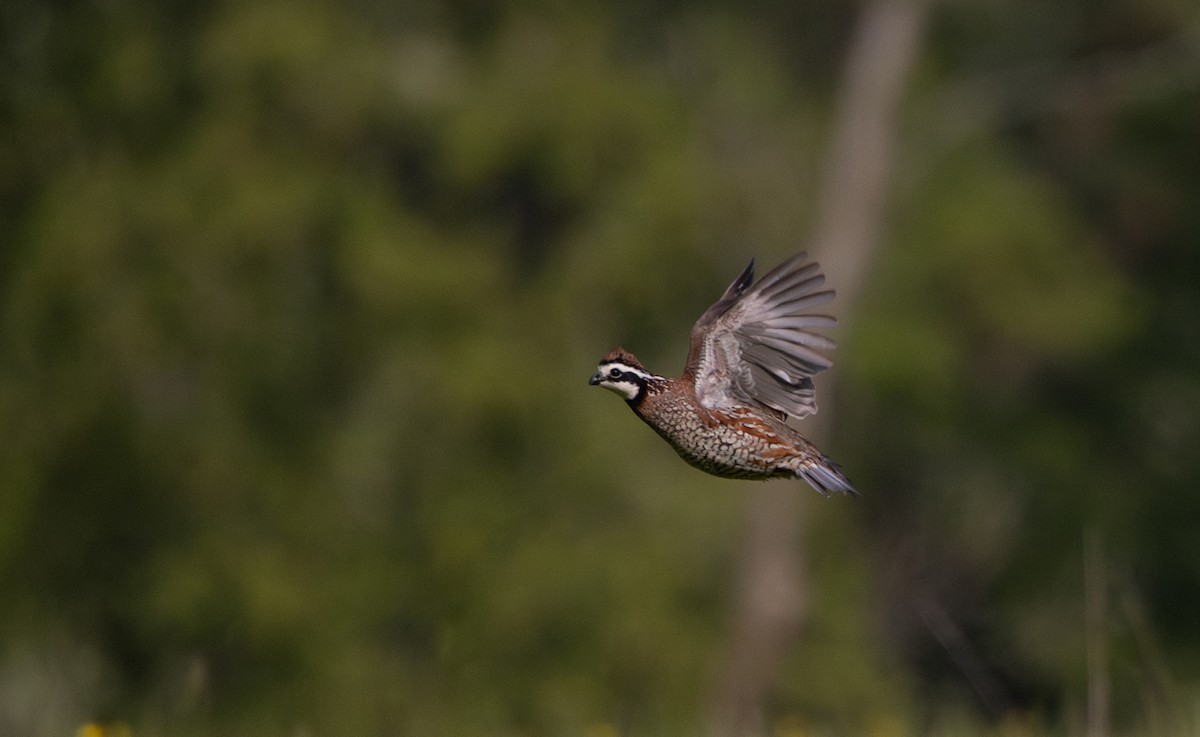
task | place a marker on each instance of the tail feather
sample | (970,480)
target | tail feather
(826,476)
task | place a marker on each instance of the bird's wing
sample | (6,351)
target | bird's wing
(757,343)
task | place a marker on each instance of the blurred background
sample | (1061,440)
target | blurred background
(298,302)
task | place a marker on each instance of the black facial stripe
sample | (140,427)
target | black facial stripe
(626,376)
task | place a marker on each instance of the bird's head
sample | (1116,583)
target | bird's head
(620,372)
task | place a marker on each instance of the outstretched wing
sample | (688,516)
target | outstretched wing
(757,343)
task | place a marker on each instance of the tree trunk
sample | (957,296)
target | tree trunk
(771,594)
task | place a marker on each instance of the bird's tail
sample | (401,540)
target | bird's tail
(825,476)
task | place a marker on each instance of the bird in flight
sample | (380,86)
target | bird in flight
(749,367)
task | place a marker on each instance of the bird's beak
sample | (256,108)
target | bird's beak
(594,380)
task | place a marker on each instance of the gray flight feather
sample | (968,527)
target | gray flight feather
(758,343)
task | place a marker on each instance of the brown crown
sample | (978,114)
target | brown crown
(624,356)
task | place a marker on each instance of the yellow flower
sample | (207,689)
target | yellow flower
(114,729)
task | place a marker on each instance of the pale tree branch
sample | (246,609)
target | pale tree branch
(1095,620)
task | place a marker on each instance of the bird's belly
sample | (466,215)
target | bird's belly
(729,462)
(724,449)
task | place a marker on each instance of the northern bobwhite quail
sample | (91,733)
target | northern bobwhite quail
(749,368)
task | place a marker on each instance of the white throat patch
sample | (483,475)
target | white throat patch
(626,389)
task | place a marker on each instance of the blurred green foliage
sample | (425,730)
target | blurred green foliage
(298,300)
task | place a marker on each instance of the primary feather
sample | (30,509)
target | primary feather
(757,343)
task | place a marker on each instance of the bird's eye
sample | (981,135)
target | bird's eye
(614,373)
